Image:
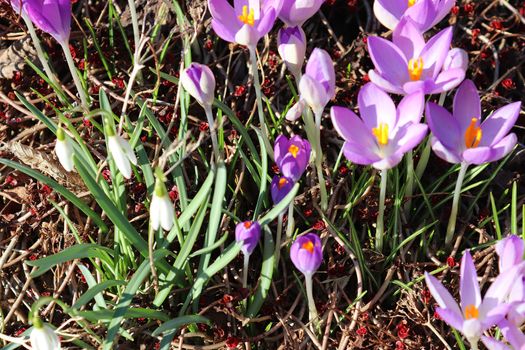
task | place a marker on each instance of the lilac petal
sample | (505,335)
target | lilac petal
(355,153)
(494,315)
(305,261)
(500,289)
(48,17)
(266,22)
(513,335)
(502,148)
(442,296)
(425,86)
(444,127)
(222,11)
(466,104)
(451,318)
(499,123)
(423,14)
(456,58)
(493,344)
(351,128)
(389,162)
(409,136)
(224,32)
(320,67)
(383,83)
(443,8)
(468,285)
(510,251)
(477,155)
(408,38)
(376,107)
(295,111)
(447,80)
(388,12)
(247,36)
(445,153)
(388,60)
(295,13)
(280,148)
(435,52)
(410,109)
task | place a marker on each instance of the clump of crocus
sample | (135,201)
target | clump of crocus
(199,81)
(64,149)
(120,150)
(462,138)
(408,64)
(247,234)
(292,156)
(424,13)
(476,314)
(381,136)
(292,48)
(307,255)
(161,213)
(296,12)
(43,337)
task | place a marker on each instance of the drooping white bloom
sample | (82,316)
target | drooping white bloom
(43,337)
(121,152)
(64,150)
(161,213)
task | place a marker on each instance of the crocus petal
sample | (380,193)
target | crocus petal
(388,12)
(494,315)
(351,128)
(443,152)
(280,147)
(442,296)
(410,109)
(388,60)
(444,127)
(435,52)
(472,330)
(295,111)
(408,38)
(247,35)
(389,162)
(447,80)
(409,136)
(266,22)
(451,318)
(477,155)
(224,32)
(502,148)
(385,84)
(223,12)
(320,67)
(468,285)
(513,335)
(355,153)
(493,344)
(443,8)
(425,86)
(500,289)
(422,13)
(467,105)
(499,123)
(456,58)
(313,93)
(376,107)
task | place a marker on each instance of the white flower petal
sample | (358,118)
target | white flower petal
(64,152)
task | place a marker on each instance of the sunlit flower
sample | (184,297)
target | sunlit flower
(296,12)
(292,48)
(43,337)
(199,81)
(247,234)
(307,254)
(161,208)
(51,16)
(292,156)
(280,187)
(120,151)
(512,334)
(64,149)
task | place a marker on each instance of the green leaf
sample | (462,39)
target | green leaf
(94,291)
(174,324)
(136,312)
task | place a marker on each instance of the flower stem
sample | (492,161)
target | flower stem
(245,271)
(39,50)
(215,143)
(312,310)
(380,229)
(257,85)
(291,222)
(319,161)
(134,21)
(409,189)
(76,79)
(451,227)
(278,239)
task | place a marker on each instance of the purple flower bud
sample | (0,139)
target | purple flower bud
(317,86)
(248,233)
(51,16)
(292,156)
(510,251)
(307,253)
(456,58)
(292,48)
(280,187)
(296,12)
(199,81)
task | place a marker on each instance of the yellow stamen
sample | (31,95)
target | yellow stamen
(247,224)
(471,312)
(381,133)
(293,149)
(247,18)
(308,246)
(415,68)
(282,182)
(411,3)
(473,134)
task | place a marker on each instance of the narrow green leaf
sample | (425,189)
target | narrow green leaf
(174,324)
(94,291)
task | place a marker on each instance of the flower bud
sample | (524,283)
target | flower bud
(296,12)
(292,156)
(307,253)
(510,251)
(64,149)
(456,58)
(43,337)
(161,212)
(122,153)
(292,48)
(280,187)
(199,82)
(248,234)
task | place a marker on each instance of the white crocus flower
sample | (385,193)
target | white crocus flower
(43,337)
(121,152)
(161,208)
(64,149)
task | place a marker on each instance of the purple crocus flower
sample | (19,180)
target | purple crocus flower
(292,48)
(280,187)
(307,254)
(248,234)
(424,13)
(296,12)
(512,334)
(383,134)
(51,16)
(408,64)
(317,85)
(292,156)
(246,22)
(475,315)
(462,137)
(199,81)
